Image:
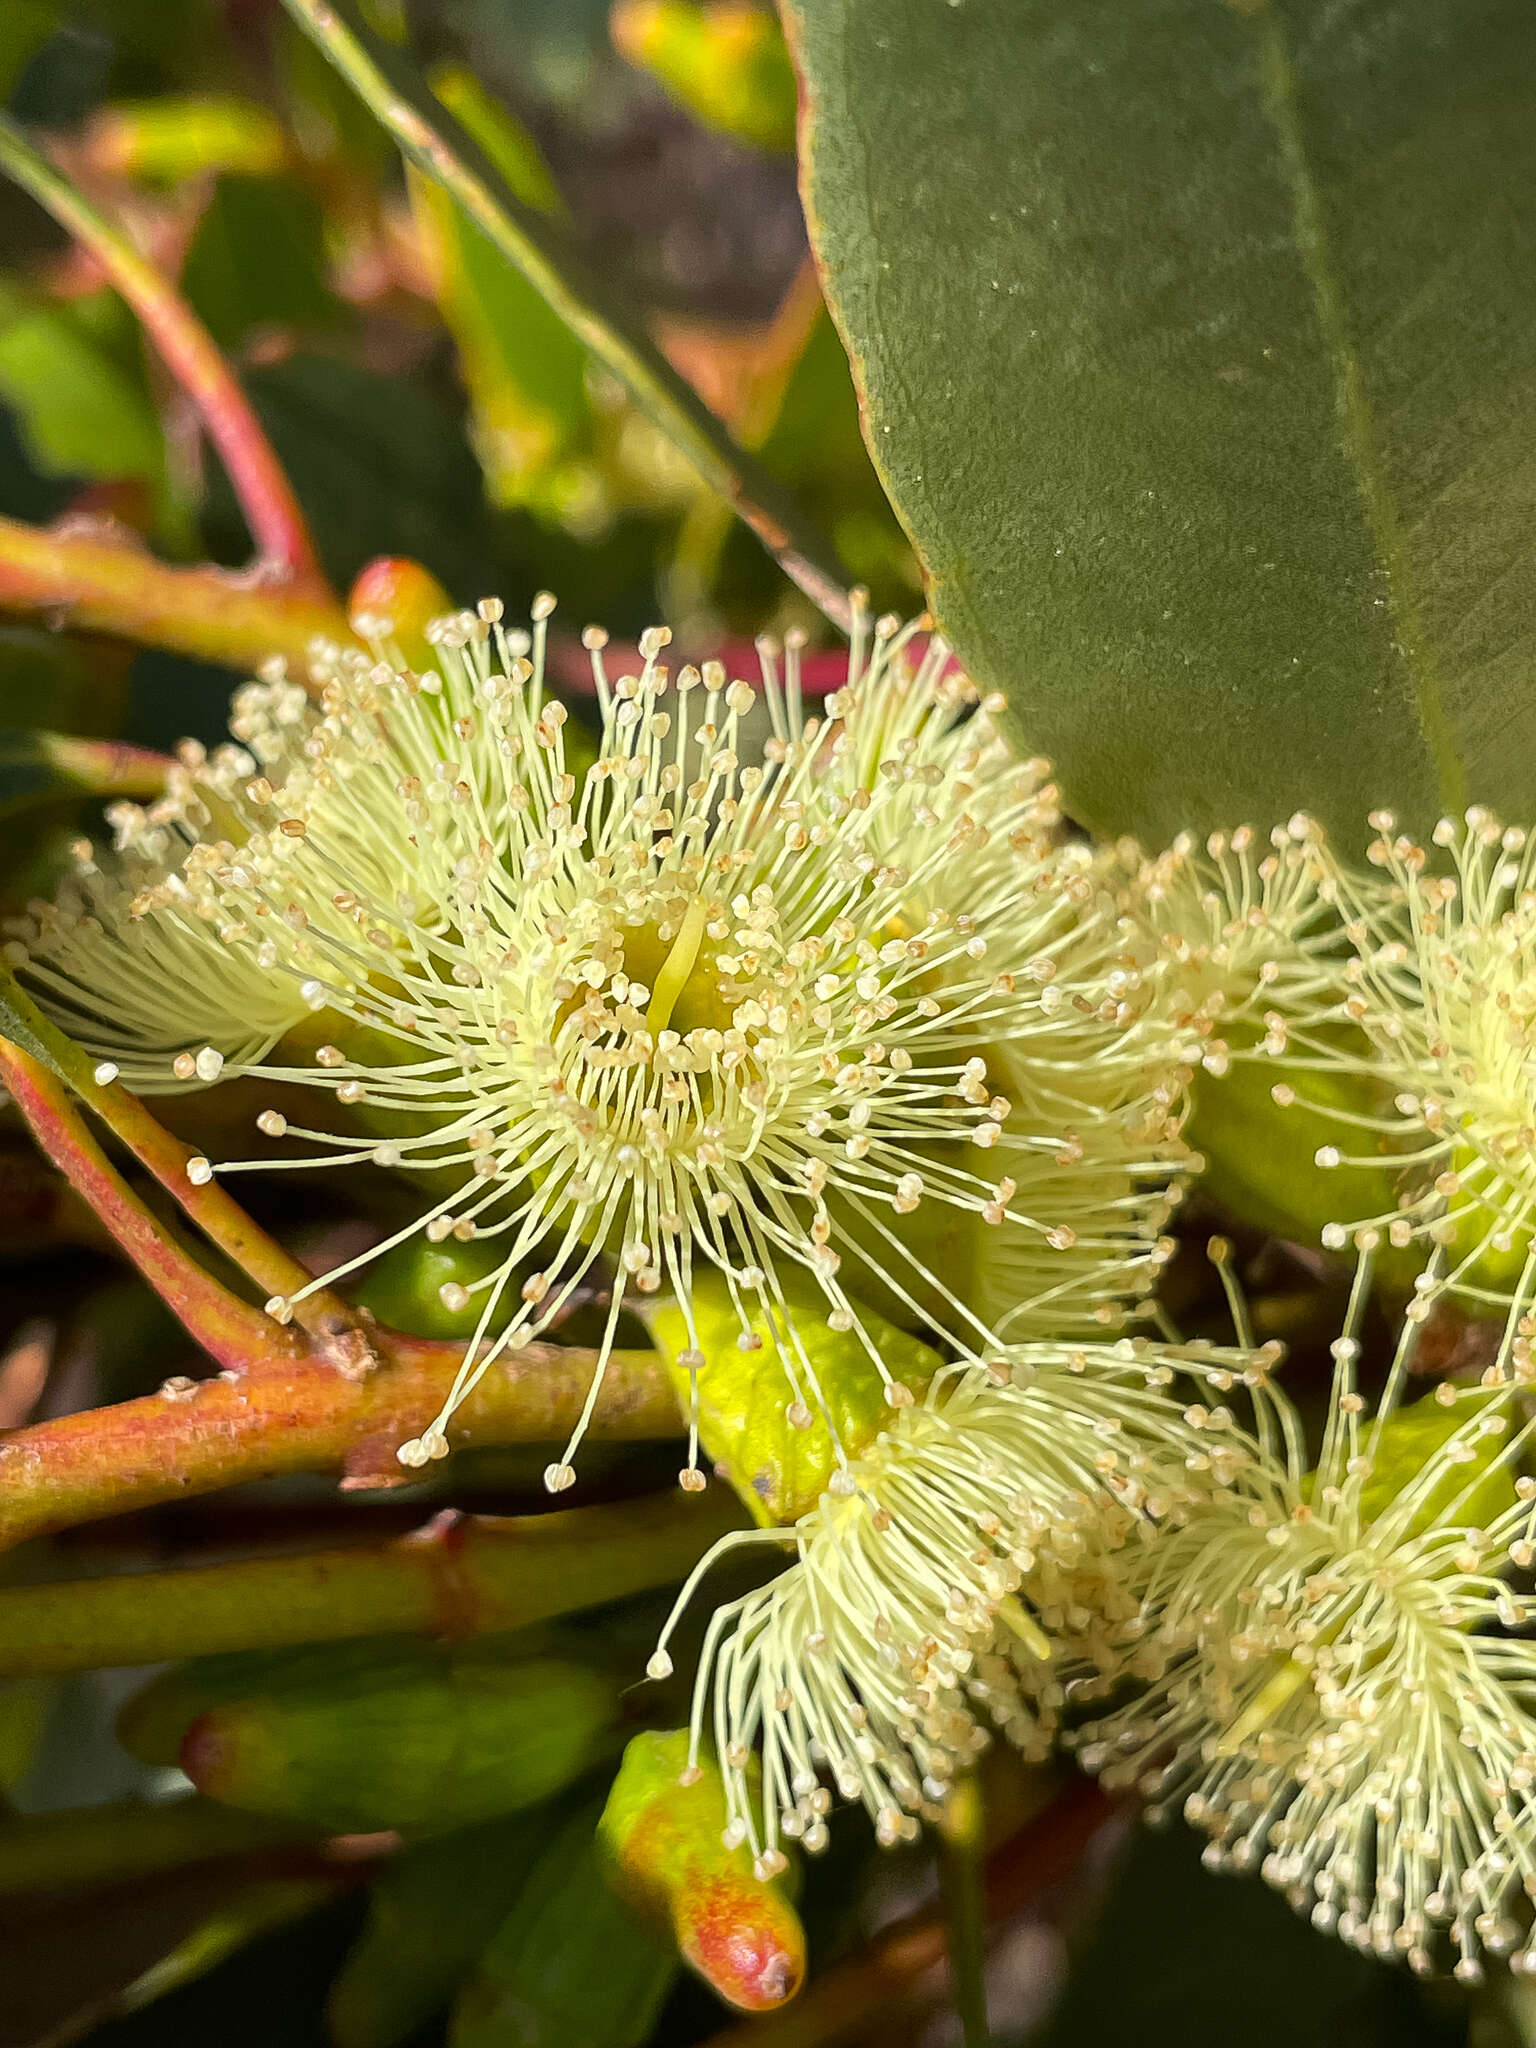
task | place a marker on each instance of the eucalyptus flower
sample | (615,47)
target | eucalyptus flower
(911,1620)
(138,958)
(1330,1685)
(709,1004)
(1248,936)
(1443,988)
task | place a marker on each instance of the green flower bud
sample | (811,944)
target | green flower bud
(674,1857)
(364,1736)
(778,1453)
(569,1967)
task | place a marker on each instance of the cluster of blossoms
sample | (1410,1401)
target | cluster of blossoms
(813,1025)
(1326,1669)
(839,998)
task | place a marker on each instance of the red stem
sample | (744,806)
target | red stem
(192,356)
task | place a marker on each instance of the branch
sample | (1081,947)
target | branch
(303,1416)
(108,586)
(430,136)
(229,1330)
(343,1403)
(460,1575)
(329,1320)
(192,356)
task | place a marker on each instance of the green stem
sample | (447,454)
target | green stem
(341,1402)
(963,1884)
(332,1323)
(431,137)
(231,1331)
(104,586)
(460,1575)
(191,354)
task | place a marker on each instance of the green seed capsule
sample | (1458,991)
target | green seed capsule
(430,1914)
(364,1736)
(668,1859)
(746,1417)
(431,1289)
(569,1967)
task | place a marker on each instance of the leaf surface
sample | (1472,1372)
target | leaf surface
(1198,353)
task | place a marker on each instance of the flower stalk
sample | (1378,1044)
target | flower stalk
(330,1321)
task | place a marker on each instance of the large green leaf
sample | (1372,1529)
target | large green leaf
(1198,343)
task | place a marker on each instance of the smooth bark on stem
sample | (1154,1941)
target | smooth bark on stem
(230,1331)
(305,1416)
(330,1322)
(461,1575)
(106,585)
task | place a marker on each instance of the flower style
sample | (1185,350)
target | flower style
(690,1009)
(1443,987)
(1330,1688)
(912,1614)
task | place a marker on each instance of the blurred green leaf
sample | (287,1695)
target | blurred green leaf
(505,141)
(725,61)
(431,1912)
(548,256)
(524,370)
(258,260)
(45,678)
(381,469)
(1199,359)
(25,1704)
(568,1968)
(25,25)
(181,136)
(82,413)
